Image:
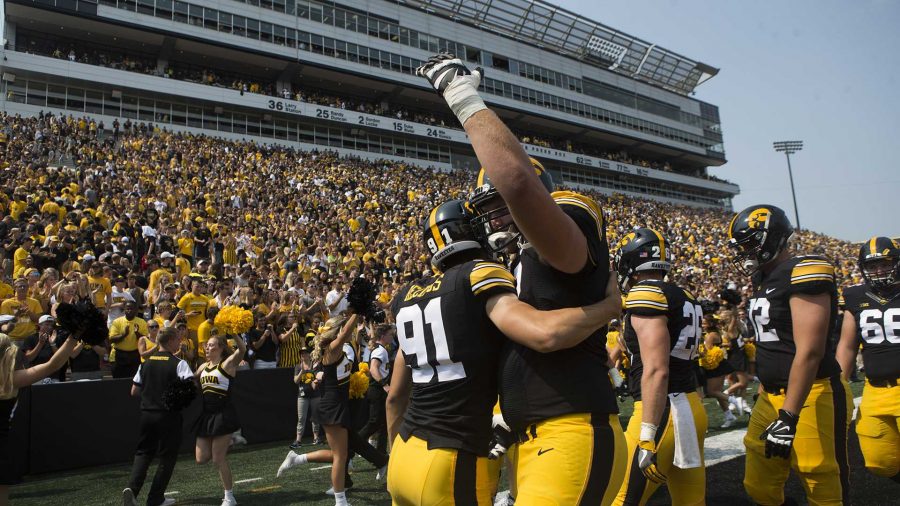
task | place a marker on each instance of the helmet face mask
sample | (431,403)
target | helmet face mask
(758,235)
(495,225)
(879,263)
(492,219)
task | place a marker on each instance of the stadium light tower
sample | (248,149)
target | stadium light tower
(789,148)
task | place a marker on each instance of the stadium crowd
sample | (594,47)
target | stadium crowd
(120,59)
(175,221)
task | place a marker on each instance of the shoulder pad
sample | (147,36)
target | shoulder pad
(647,294)
(487,275)
(811,268)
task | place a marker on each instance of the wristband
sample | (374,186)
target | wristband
(464,101)
(648,431)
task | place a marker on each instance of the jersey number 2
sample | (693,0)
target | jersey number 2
(759,316)
(686,347)
(428,343)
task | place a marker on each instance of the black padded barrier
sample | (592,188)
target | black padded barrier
(89,423)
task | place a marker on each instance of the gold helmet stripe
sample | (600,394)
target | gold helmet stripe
(731,226)
(432,225)
(872,247)
(662,244)
(480,181)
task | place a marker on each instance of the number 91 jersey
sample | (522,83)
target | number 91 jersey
(658,298)
(452,348)
(877,329)
(770,313)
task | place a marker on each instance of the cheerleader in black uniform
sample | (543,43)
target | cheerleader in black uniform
(219,419)
(334,410)
(12,378)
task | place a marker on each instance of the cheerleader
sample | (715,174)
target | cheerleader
(13,377)
(219,419)
(715,377)
(334,410)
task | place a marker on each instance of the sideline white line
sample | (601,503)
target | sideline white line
(174,492)
(248,480)
(320,468)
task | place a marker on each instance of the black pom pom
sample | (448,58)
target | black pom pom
(361,296)
(83,321)
(180,394)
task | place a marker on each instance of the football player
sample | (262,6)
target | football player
(801,418)
(661,333)
(560,405)
(451,327)
(872,319)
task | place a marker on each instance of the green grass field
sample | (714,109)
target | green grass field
(196,485)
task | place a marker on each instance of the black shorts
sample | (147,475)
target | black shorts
(723,369)
(334,408)
(737,359)
(217,423)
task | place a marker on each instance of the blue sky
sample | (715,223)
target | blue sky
(826,72)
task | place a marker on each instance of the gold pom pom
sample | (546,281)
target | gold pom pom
(359,383)
(233,320)
(750,350)
(710,358)
(364,367)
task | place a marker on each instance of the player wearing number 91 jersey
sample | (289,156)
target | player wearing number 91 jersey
(872,319)
(450,327)
(661,332)
(802,415)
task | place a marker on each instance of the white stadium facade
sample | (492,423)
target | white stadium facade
(602,97)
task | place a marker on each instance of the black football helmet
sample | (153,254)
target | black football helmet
(643,249)
(491,214)
(879,262)
(448,231)
(756,236)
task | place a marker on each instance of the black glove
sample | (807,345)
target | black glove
(441,69)
(647,462)
(502,439)
(779,435)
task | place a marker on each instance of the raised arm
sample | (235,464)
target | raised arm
(344,335)
(25,377)
(550,231)
(233,360)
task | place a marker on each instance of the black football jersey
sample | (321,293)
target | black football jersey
(536,386)
(770,312)
(683,314)
(877,330)
(452,348)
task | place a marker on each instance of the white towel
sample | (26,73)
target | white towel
(687,450)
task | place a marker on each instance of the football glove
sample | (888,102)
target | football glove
(450,77)
(779,435)
(647,462)
(503,438)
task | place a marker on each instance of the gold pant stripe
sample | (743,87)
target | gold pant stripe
(686,486)
(571,459)
(819,454)
(441,476)
(878,428)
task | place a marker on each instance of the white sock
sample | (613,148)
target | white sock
(340,499)
(229,494)
(301,459)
